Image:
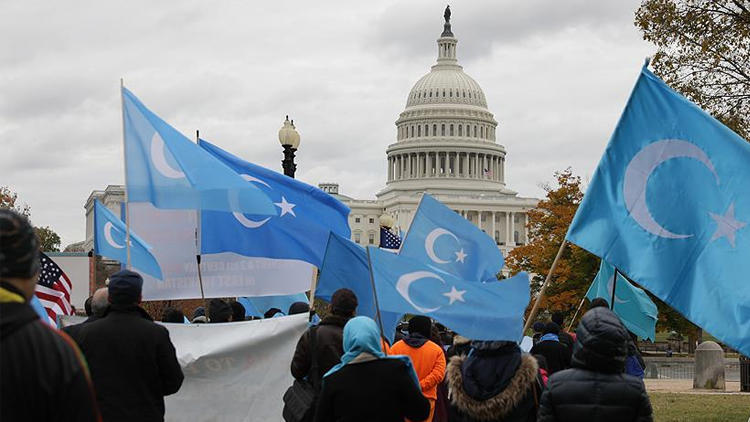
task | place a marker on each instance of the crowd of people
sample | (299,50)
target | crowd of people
(118,365)
(584,375)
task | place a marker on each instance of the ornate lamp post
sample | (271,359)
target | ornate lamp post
(289,139)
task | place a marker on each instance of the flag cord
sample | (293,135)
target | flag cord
(375,296)
(534,310)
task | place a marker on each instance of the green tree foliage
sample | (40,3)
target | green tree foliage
(547,225)
(704,53)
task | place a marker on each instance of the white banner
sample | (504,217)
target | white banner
(172,235)
(235,371)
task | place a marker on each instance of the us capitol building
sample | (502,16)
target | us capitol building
(445,146)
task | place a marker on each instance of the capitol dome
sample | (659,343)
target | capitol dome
(446,135)
(446,85)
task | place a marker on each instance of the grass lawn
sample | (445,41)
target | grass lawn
(670,407)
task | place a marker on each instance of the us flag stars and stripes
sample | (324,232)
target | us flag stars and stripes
(388,239)
(53,289)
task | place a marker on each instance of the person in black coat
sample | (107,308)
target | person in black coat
(98,306)
(595,388)
(367,385)
(132,360)
(329,339)
(555,353)
(44,376)
(565,338)
(496,382)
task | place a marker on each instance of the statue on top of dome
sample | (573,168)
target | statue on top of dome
(447,26)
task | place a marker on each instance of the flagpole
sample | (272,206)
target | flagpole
(534,310)
(125,169)
(313,286)
(403,241)
(198,243)
(614,289)
(580,305)
(375,295)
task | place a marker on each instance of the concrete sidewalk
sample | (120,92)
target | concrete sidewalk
(686,387)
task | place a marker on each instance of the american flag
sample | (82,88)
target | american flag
(388,239)
(53,289)
(488,172)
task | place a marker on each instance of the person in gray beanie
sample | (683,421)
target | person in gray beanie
(132,360)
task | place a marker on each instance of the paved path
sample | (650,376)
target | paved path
(686,386)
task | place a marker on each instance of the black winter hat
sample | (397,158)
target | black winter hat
(420,324)
(125,287)
(19,246)
(344,302)
(219,311)
(551,328)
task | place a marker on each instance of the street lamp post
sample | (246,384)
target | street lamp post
(289,139)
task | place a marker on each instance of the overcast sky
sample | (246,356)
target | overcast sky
(556,76)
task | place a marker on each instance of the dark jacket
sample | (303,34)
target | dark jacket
(595,389)
(555,353)
(380,390)
(329,348)
(133,364)
(499,385)
(72,330)
(44,376)
(567,340)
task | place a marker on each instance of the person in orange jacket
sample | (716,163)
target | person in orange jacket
(427,358)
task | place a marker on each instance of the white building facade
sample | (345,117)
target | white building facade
(446,146)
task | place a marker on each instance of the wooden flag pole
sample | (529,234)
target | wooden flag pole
(313,287)
(580,305)
(198,245)
(534,310)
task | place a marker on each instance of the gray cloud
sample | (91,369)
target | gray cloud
(556,75)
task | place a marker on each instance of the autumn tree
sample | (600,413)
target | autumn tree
(49,240)
(704,53)
(547,225)
(9,200)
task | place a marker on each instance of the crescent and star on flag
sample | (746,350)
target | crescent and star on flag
(159,160)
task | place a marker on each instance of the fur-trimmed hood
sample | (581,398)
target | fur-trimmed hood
(498,406)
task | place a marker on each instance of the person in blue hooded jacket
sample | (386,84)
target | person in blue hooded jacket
(367,385)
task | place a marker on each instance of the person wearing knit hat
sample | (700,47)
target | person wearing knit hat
(44,374)
(219,311)
(427,357)
(555,353)
(132,360)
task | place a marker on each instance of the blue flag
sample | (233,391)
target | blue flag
(345,266)
(443,239)
(478,310)
(635,309)
(109,241)
(165,168)
(669,205)
(258,305)
(299,229)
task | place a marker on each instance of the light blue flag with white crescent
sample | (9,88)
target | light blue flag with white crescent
(109,241)
(443,239)
(258,305)
(305,215)
(490,310)
(669,205)
(635,309)
(345,266)
(165,168)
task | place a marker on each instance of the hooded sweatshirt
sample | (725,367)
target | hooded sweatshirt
(428,360)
